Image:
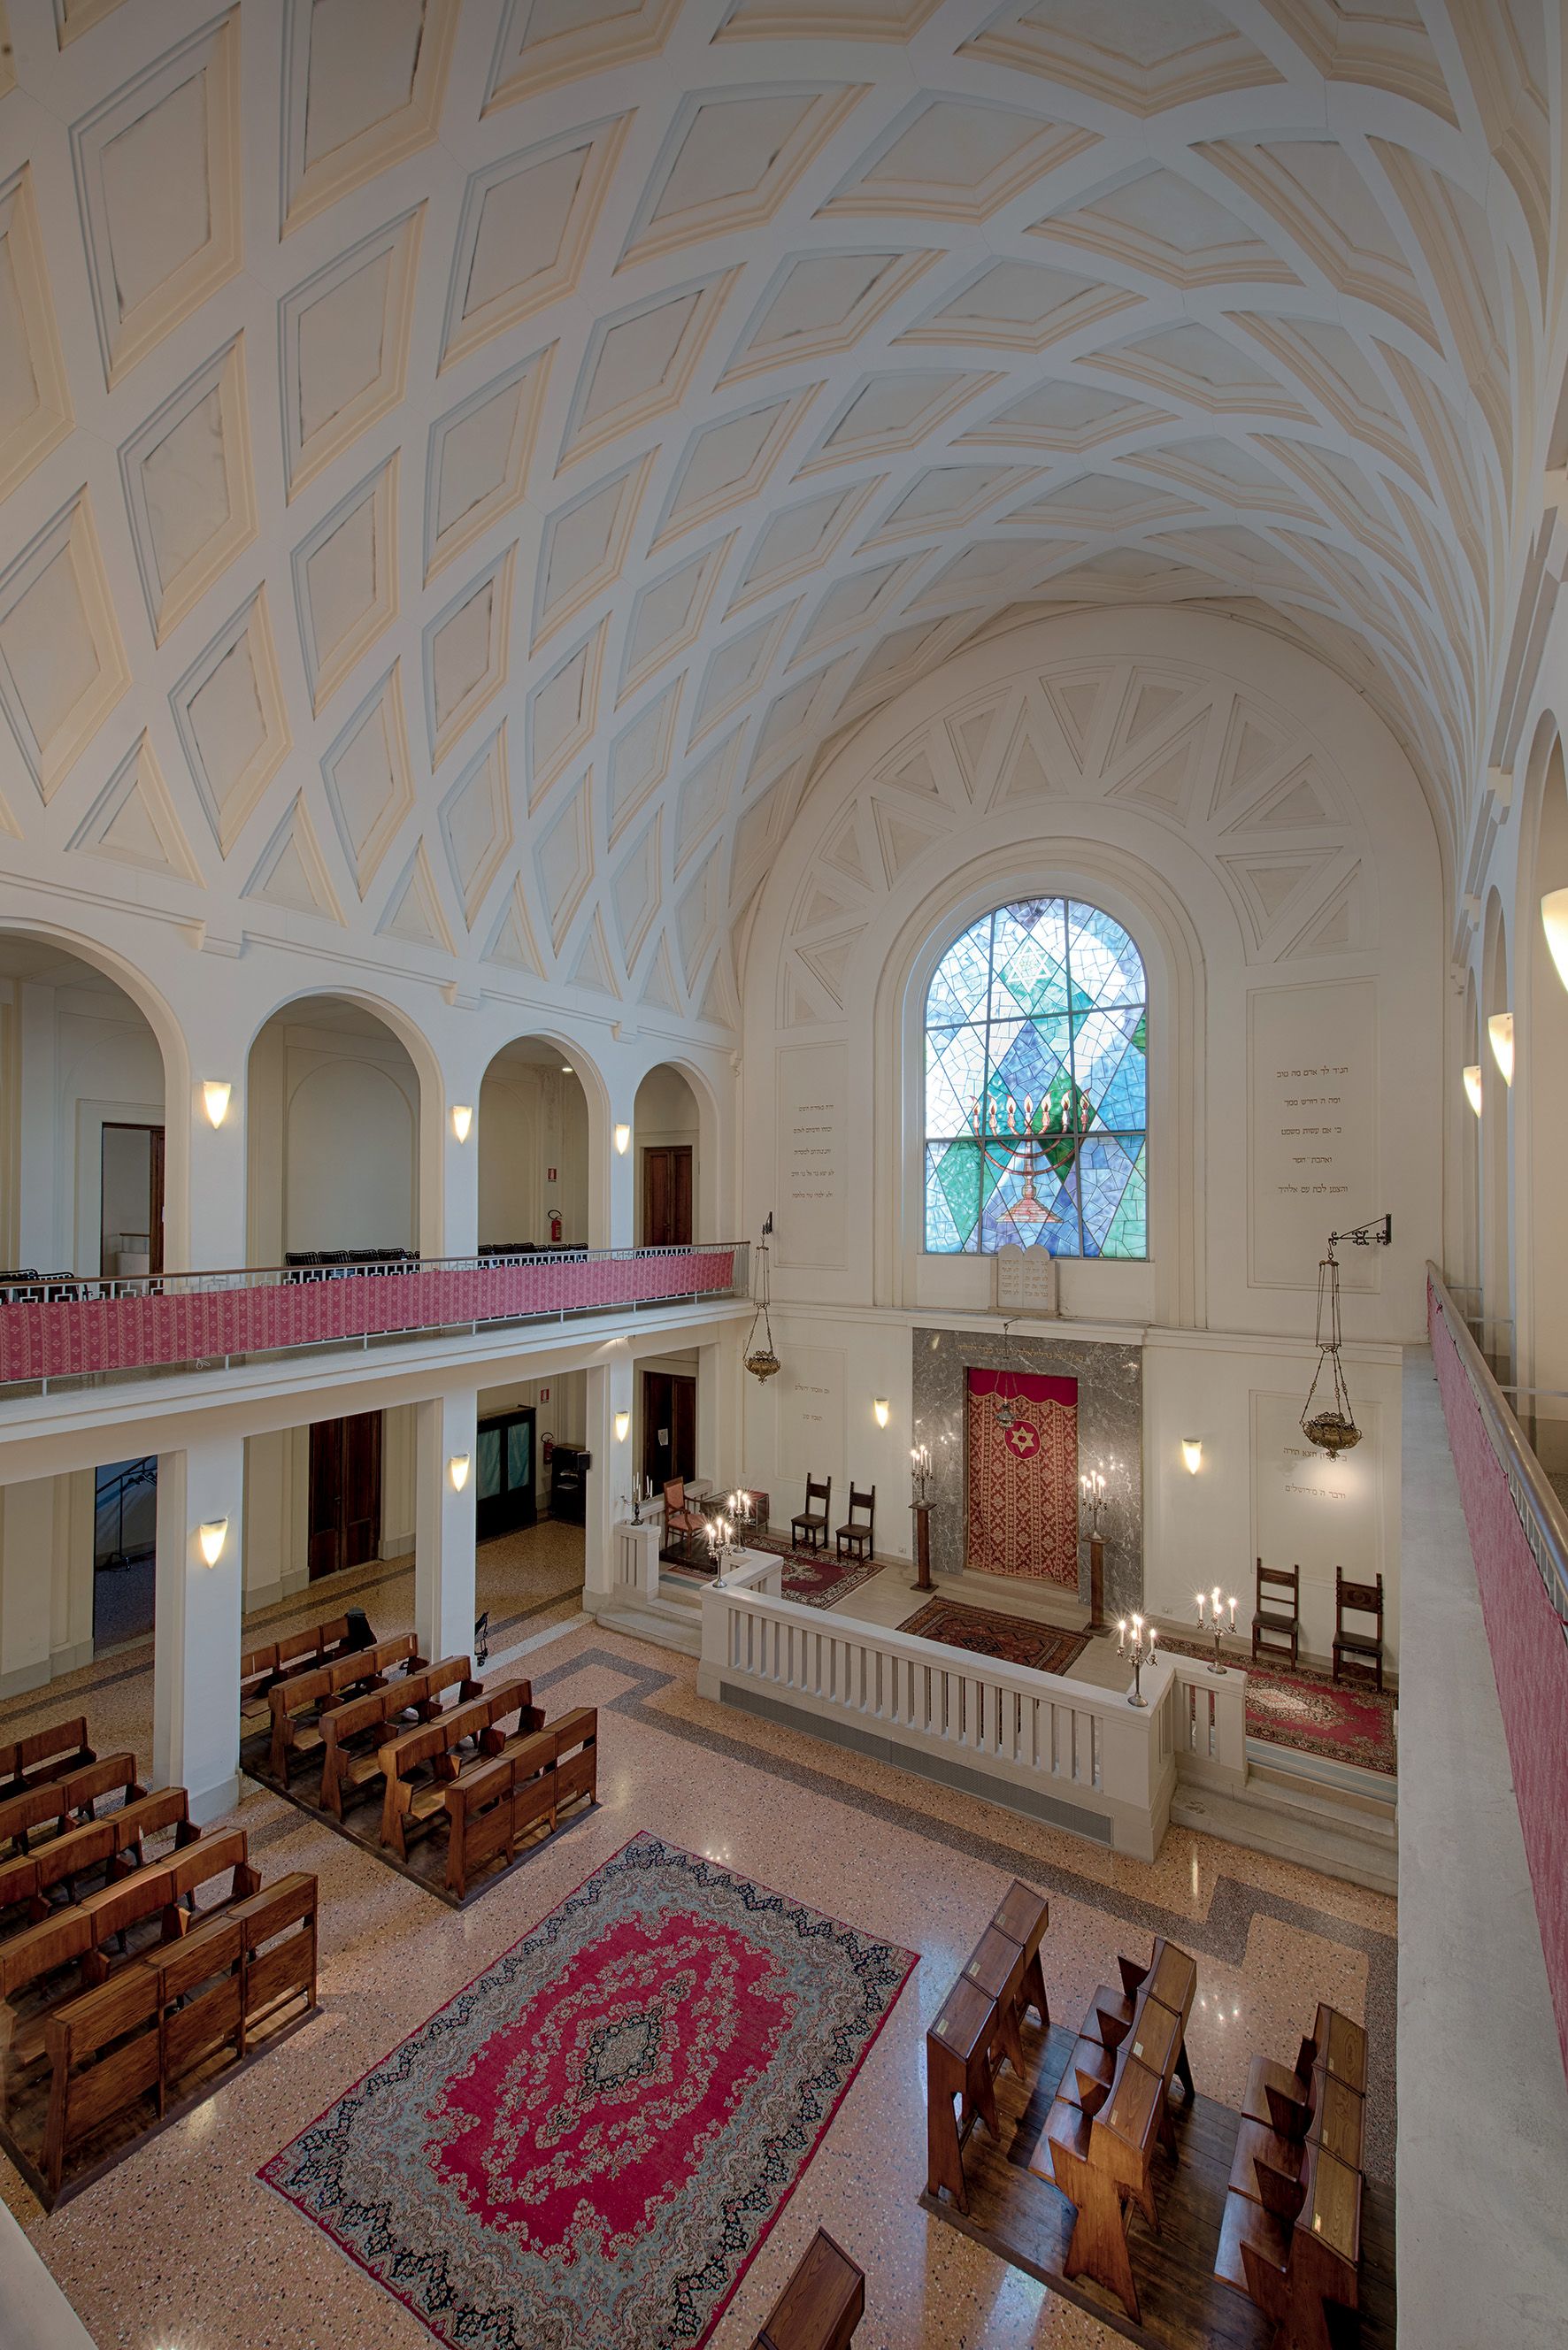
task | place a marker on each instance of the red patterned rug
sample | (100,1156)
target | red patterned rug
(1011,1640)
(1314,1713)
(816,1577)
(587,2145)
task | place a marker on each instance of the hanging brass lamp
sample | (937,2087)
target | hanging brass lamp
(761,1358)
(1331,1426)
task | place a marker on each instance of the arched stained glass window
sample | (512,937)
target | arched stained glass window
(1036,1086)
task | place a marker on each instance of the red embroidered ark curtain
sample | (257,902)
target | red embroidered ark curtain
(1023,1480)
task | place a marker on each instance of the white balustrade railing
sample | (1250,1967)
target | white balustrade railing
(1078,1756)
(1210,1724)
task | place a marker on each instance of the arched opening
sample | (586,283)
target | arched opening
(332,1101)
(1469,1271)
(533,1150)
(1543,1075)
(1496,1153)
(671,1208)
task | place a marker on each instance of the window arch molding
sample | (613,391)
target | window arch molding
(1134,894)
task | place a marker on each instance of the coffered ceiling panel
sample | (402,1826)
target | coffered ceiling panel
(460,473)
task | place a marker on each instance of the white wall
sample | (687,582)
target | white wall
(666,1112)
(73,1058)
(333,1140)
(532,1120)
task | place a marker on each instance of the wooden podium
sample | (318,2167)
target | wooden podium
(1098,1584)
(923,1582)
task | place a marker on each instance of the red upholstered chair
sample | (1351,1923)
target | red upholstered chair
(681,1521)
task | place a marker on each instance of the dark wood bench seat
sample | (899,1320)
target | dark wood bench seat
(418,1765)
(116,1844)
(295,1705)
(45,1754)
(354,1732)
(493,1805)
(44,1811)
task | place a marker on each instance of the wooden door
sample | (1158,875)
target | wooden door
(667,1195)
(669,1426)
(504,1497)
(345,1505)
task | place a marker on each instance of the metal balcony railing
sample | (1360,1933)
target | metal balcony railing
(62,1330)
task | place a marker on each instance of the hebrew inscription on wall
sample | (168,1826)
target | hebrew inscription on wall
(810,1208)
(1312,1094)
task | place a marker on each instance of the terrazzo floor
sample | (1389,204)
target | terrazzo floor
(180,2248)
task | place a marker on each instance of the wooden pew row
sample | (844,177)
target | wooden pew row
(1111,2111)
(821,2305)
(418,1765)
(61,1804)
(47,1755)
(81,1938)
(490,1806)
(353,1733)
(295,1705)
(136,2037)
(115,1842)
(1291,2237)
(274,1660)
(979,2025)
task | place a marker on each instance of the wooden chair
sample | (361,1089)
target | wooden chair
(809,1530)
(1364,1649)
(1276,1628)
(681,1521)
(853,1535)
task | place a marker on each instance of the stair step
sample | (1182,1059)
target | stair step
(667,1624)
(1321,1799)
(1332,1841)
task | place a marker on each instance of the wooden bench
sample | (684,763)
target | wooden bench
(491,1807)
(270,1661)
(353,1733)
(138,2035)
(1112,2111)
(1291,2236)
(114,1843)
(821,2305)
(420,1765)
(296,1704)
(49,1754)
(48,1810)
(980,2025)
(80,1937)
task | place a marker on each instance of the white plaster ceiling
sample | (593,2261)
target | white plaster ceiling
(463,458)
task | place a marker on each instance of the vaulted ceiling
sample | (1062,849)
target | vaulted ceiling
(463,458)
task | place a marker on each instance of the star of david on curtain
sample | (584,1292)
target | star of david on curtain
(1036,1085)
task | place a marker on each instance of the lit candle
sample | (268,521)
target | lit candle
(1121,1635)
(1201,1607)
(1232,1612)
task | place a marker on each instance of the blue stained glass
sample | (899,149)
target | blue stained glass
(1039,1014)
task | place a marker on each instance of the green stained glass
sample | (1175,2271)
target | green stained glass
(1036,1085)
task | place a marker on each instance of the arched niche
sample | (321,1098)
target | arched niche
(1540,1267)
(332,1099)
(534,1146)
(84,1083)
(671,1205)
(1475,1057)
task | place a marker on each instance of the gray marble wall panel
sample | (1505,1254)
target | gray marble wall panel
(1110,1438)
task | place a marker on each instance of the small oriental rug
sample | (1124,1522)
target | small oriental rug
(1011,1640)
(1312,1712)
(584,2149)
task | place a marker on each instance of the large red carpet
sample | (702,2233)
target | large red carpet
(584,2149)
(1011,1640)
(1299,1706)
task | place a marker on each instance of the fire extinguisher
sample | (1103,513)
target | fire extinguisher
(547,1447)
(555,1228)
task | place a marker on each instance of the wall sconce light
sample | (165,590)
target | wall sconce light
(211,1538)
(1192,1454)
(462,1120)
(1554,921)
(622,1138)
(457,1470)
(883,1410)
(622,1423)
(1499,1029)
(1473,1086)
(215,1093)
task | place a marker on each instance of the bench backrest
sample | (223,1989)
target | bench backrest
(56,1799)
(60,1744)
(302,1690)
(362,1713)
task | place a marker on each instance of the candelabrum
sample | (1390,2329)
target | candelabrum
(1137,1639)
(920,1471)
(638,1500)
(920,1481)
(1092,1485)
(742,1512)
(722,1548)
(1217,1626)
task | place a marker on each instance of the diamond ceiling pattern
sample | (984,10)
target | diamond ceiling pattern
(462,460)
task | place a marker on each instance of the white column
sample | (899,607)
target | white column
(609,1392)
(26,1580)
(204,1165)
(458,1162)
(444,1574)
(196,1627)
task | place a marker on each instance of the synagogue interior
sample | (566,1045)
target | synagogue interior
(783,973)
